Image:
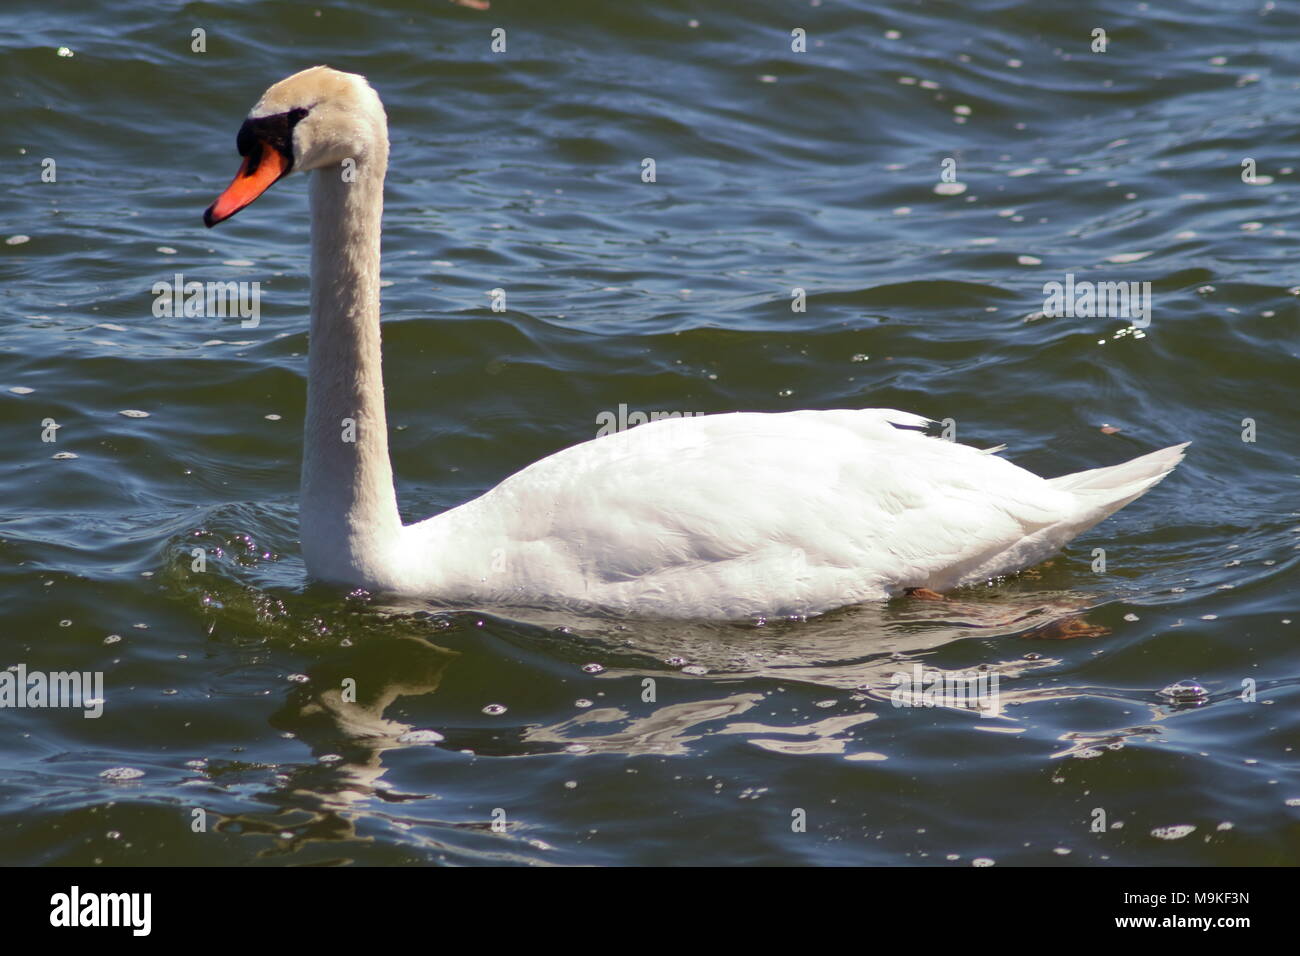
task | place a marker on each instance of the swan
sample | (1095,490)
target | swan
(723,517)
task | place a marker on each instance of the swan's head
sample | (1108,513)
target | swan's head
(312,120)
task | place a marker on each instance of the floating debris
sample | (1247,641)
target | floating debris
(121,773)
(421,737)
(1185,692)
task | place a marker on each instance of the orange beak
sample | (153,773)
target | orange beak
(261,167)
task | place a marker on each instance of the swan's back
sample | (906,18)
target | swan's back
(745,514)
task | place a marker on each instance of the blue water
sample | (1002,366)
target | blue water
(775,170)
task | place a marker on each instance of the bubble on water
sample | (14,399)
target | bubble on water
(695,669)
(121,773)
(494,710)
(329,758)
(593,668)
(981,861)
(63,51)
(1029,260)
(237,262)
(1061,851)
(133,413)
(577,748)
(21,390)
(17,240)
(272,417)
(675,661)
(949,189)
(1185,691)
(1131,617)
(167,250)
(421,737)
(298,678)
(112,638)
(1293,802)
(582,702)
(1175,832)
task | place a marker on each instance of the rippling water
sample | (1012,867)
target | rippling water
(490,738)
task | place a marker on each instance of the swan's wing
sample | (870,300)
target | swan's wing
(721,514)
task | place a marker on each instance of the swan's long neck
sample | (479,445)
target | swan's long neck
(348,510)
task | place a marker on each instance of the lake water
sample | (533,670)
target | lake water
(490,738)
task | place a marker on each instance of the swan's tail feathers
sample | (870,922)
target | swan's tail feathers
(1108,489)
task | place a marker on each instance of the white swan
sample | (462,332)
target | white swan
(719,516)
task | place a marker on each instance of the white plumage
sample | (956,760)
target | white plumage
(720,516)
(750,514)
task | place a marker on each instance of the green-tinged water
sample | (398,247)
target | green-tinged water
(776,170)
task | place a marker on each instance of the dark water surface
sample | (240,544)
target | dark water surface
(775,170)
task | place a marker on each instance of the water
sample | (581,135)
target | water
(775,170)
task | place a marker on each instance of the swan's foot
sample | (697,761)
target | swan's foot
(924,594)
(1066,629)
